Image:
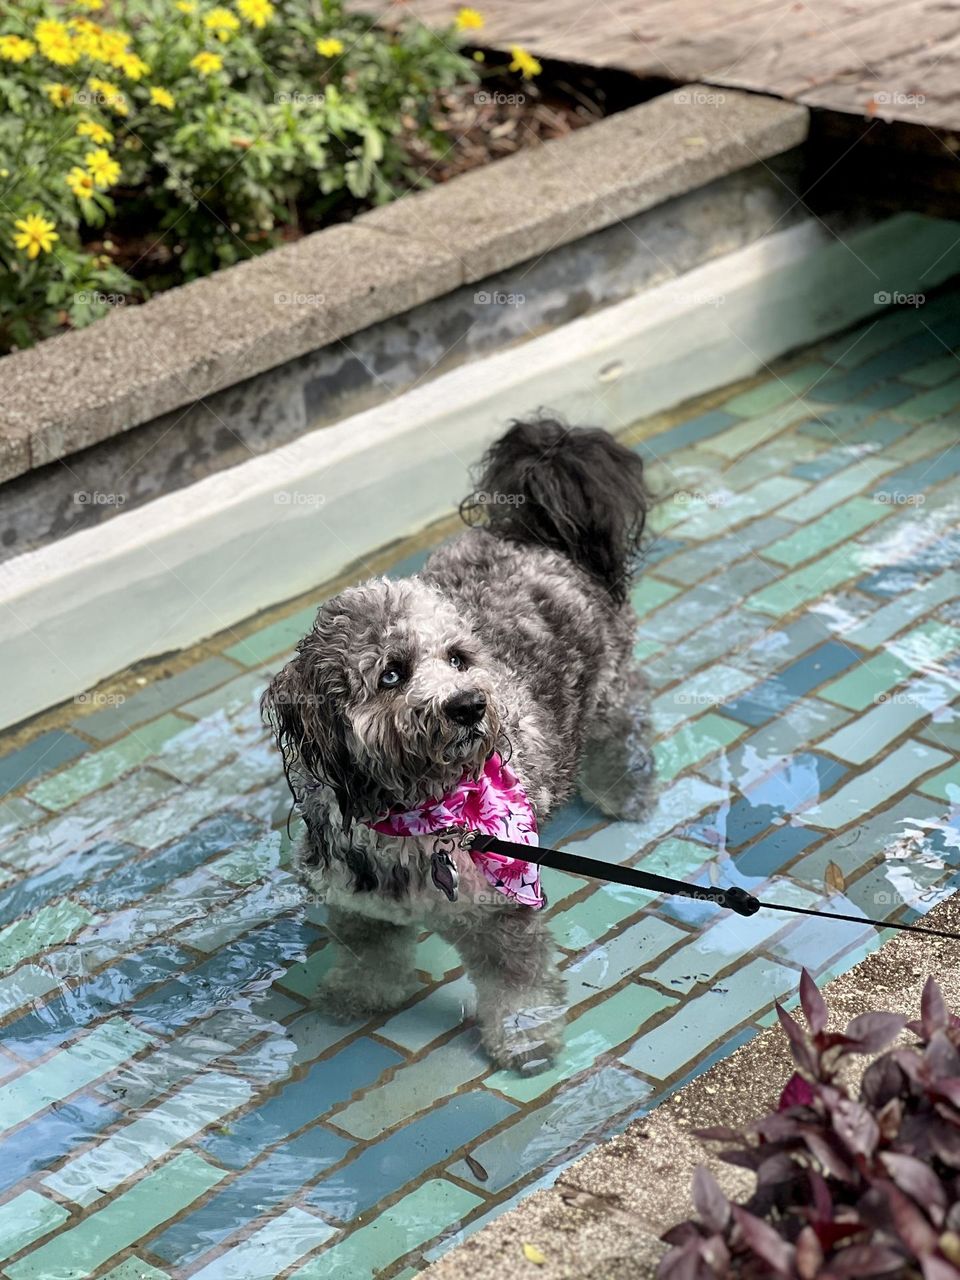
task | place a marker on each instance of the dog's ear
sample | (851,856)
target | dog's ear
(310,733)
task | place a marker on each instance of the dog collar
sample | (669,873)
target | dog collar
(494,803)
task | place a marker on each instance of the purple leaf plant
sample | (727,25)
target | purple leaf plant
(846,1187)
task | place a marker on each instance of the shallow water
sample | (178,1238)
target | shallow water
(172,1104)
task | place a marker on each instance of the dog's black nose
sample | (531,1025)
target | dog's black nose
(466,707)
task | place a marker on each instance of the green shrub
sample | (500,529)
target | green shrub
(197,131)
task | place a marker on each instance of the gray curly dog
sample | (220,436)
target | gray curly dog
(516,639)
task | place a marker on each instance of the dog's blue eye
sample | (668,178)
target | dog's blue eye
(390,678)
(457,661)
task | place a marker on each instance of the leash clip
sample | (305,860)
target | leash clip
(464,836)
(443,869)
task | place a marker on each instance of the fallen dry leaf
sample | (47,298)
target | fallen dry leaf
(578,1198)
(834,878)
(533,1254)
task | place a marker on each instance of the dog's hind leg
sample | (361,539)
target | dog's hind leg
(372,968)
(617,770)
(510,957)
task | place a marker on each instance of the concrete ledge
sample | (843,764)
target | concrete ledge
(83,387)
(537,199)
(604,1218)
(77,389)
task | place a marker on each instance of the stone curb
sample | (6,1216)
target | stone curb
(85,386)
(604,1218)
(536,200)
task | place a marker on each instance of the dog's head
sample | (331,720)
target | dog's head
(389,701)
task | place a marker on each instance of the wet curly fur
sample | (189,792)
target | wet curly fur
(516,637)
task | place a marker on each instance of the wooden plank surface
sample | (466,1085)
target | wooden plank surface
(879,59)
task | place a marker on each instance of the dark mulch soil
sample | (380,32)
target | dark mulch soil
(486,122)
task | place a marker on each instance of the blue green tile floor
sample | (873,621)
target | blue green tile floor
(171,1102)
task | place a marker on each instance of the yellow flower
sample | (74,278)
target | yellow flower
(36,234)
(186,6)
(55,43)
(61,95)
(524,62)
(160,97)
(48,30)
(257,12)
(89,5)
(103,168)
(131,65)
(110,95)
(114,45)
(60,50)
(469,20)
(81,183)
(207,63)
(329,48)
(222,22)
(16,49)
(89,38)
(95,132)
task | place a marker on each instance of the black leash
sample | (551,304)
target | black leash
(735,898)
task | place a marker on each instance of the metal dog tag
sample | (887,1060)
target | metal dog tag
(443,872)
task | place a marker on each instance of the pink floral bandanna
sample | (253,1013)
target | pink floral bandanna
(496,804)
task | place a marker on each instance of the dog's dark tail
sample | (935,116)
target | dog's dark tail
(572,489)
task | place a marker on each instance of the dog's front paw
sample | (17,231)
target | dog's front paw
(526,1040)
(346,995)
